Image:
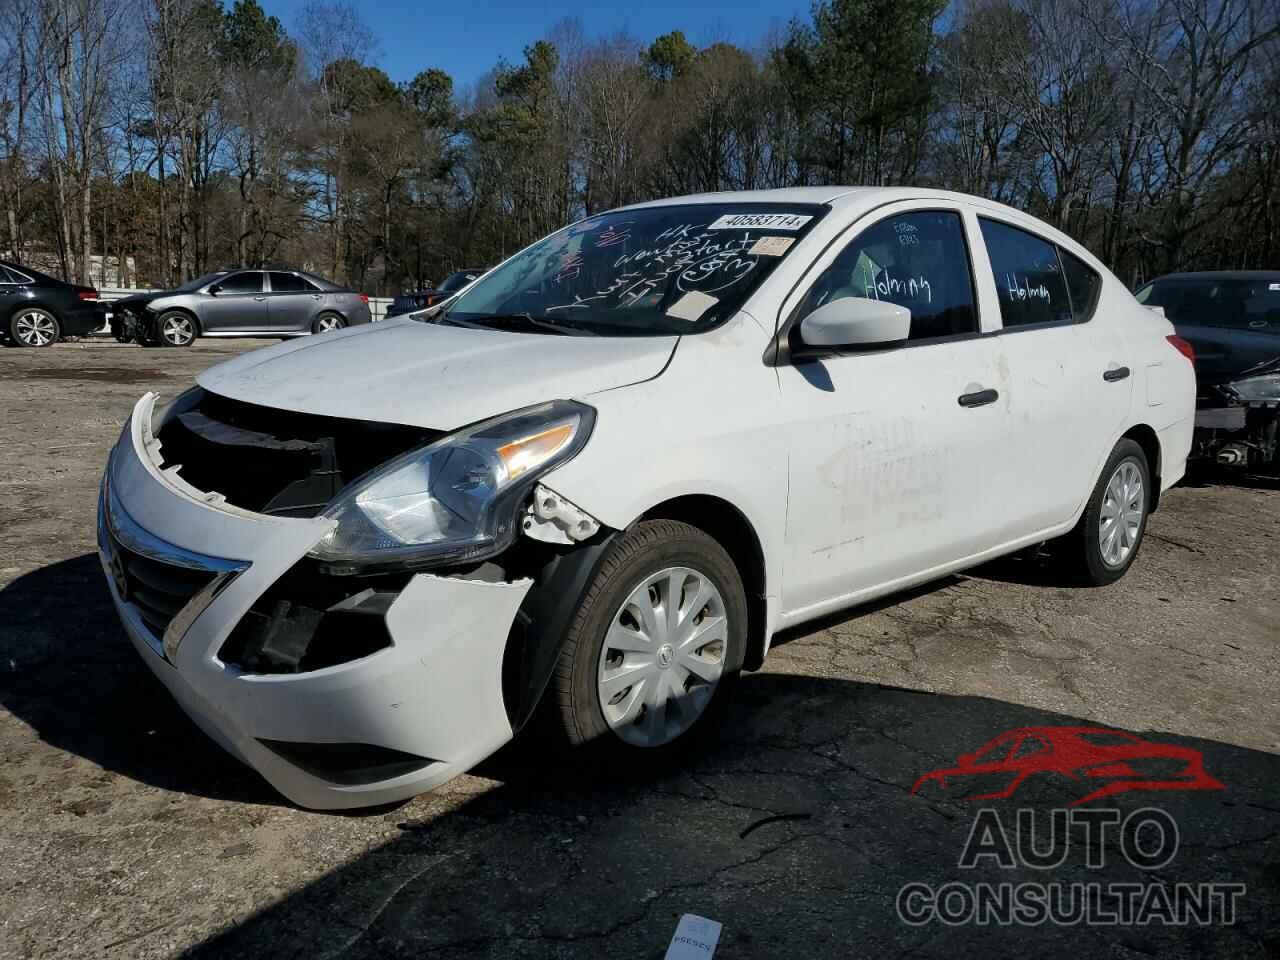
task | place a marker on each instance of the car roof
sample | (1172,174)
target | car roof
(806,195)
(860,200)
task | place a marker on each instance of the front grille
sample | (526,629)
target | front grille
(276,461)
(157,590)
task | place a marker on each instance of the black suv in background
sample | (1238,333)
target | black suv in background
(37,310)
(421,299)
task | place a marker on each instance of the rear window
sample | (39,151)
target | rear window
(290,283)
(1029,277)
(1237,303)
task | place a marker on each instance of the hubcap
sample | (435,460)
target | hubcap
(177,330)
(1123,504)
(36,329)
(663,657)
(329,323)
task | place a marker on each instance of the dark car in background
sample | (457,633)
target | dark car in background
(421,299)
(37,310)
(239,303)
(1232,319)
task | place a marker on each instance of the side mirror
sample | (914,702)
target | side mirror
(214,290)
(855,322)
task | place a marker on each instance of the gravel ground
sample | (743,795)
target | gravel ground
(127,833)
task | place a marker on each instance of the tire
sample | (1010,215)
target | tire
(327,322)
(1095,558)
(175,328)
(627,731)
(34,327)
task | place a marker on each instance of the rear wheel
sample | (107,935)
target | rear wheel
(655,647)
(1105,542)
(328,321)
(34,327)
(175,329)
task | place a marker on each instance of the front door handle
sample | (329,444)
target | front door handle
(259,299)
(979,398)
(1115,373)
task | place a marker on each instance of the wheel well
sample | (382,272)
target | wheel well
(1146,438)
(724,523)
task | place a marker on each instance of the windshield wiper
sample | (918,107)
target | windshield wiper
(527,320)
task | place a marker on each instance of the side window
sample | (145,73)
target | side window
(1028,276)
(248,282)
(1083,284)
(6,276)
(288,283)
(916,260)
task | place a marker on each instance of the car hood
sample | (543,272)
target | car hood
(433,376)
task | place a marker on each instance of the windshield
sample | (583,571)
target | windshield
(652,271)
(199,282)
(1239,303)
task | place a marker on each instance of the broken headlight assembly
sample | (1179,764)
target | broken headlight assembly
(1263,389)
(454,501)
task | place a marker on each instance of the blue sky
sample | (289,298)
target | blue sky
(466,37)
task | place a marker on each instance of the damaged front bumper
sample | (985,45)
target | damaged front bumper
(185,568)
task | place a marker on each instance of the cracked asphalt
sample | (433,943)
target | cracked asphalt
(127,833)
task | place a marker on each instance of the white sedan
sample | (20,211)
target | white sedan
(600,478)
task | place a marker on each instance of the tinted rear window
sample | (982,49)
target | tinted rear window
(1028,276)
(1237,303)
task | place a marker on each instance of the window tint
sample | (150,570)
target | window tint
(289,283)
(916,260)
(1028,276)
(1083,284)
(248,282)
(1232,302)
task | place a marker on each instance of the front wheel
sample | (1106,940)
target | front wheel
(1105,542)
(176,329)
(34,327)
(655,647)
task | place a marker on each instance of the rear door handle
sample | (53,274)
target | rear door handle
(979,398)
(1115,373)
(259,298)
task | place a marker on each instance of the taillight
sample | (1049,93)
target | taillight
(87,294)
(364,298)
(1183,347)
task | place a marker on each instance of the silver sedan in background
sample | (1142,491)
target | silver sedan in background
(239,303)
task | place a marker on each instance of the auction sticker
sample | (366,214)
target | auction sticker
(771,246)
(760,221)
(691,306)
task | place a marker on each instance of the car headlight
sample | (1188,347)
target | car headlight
(1257,389)
(453,501)
(163,413)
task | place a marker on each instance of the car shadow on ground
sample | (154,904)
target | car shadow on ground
(796,830)
(796,827)
(70,673)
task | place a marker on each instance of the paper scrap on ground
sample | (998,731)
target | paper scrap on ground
(695,938)
(691,306)
(771,246)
